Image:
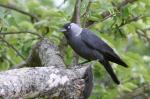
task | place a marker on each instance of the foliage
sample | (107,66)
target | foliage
(126,31)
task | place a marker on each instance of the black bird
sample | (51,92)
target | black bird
(86,44)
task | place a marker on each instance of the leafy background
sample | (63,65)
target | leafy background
(127,31)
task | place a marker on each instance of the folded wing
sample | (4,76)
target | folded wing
(94,42)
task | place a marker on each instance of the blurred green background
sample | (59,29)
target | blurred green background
(127,31)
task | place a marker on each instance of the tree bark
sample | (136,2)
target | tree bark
(50,79)
(50,82)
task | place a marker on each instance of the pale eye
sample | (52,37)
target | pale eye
(69,27)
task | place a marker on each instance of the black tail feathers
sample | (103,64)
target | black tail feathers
(110,71)
(116,59)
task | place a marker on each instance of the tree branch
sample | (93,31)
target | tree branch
(20,11)
(106,14)
(76,14)
(142,33)
(43,53)
(135,18)
(51,81)
(21,32)
(11,46)
(48,82)
(84,15)
(87,9)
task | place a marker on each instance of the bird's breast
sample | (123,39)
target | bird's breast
(81,48)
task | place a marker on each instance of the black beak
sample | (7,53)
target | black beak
(62,30)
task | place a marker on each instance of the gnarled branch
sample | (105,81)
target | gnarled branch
(42,81)
(52,80)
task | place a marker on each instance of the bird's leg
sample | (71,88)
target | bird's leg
(84,62)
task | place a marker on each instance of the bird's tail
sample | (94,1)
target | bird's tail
(110,71)
(121,62)
(116,59)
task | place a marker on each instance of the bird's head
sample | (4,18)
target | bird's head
(71,28)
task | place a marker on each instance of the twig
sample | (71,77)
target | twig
(117,27)
(11,46)
(124,3)
(21,32)
(133,19)
(20,11)
(146,35)
(142,33)
(136,18)
(118,7)
(106,14)
(84,15)
(87,9)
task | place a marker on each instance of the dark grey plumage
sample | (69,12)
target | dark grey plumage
(86,44)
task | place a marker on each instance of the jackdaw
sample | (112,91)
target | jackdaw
(89,46)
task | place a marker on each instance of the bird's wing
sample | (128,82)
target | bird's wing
(94,42)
